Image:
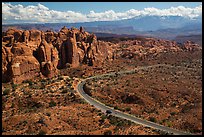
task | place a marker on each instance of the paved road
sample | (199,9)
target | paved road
(120,114)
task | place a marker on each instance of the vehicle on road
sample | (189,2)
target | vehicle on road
(108,111)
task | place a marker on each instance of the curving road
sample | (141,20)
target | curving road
(120,114)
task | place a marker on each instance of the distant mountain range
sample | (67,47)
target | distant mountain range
(166,27)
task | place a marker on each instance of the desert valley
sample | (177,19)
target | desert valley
(78,82)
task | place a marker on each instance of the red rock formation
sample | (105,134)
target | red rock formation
(27,53)
(48,58)
(26,35)
(18,63)
(34,51)
(6,63)
(23,68)
(190,46)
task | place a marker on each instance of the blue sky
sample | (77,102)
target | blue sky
(71,12)
(85,7)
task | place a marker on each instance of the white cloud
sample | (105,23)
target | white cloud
(42,14)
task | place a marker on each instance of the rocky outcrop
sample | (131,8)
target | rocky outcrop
(6,63)
(150,47)
(48,58)
(19,64)
(190,46)
(29,53)
(79,47)
(26,54)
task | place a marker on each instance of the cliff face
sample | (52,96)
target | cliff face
(30,53)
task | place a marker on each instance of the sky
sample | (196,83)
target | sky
(42,12)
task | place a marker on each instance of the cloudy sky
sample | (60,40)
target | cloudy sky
(54,12)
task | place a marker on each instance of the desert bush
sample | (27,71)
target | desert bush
(103,117)
(128,109)
(29,82)
(64,91)
(14,86)
(108,132)
(60,78)
(52,103)
(43,80)
(6,91)
(169,124)
(116,107)
(153,119)
(48,114)
(173,113)
(12,105)
(42,132)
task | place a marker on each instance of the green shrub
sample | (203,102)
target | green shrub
(48,114)
(43,80)
(60,78)
(128,109)
(103,117)
(6,91)
(42,132)
(29,82)
(108,132)
(52,103)
(64,91)
(12,105)
(14,86)
(173,113)
(129,122)
(153,119)
(169,124)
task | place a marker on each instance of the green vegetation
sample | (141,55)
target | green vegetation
(64,91)
(6,91)
(153,119)
(169,124)
(43,80)
(128,109)
(60,78)
(29,82)
(103,117)
(108,132)
(14,86)
(12,105)
(117,121)
(82,101)
(173,113)
(48,114)
(42,132)
(52,103)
